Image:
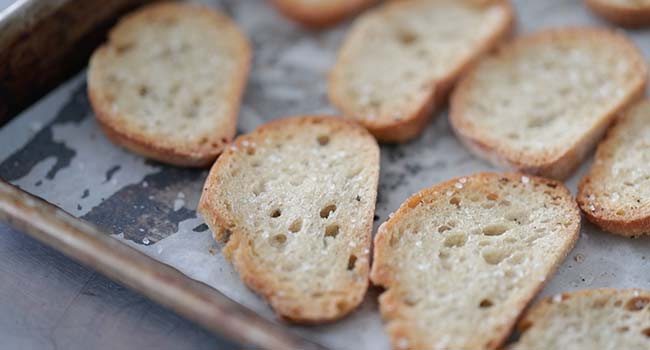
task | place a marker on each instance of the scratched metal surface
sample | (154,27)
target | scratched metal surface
(55,150)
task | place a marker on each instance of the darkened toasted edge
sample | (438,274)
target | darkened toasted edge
(415,120)
(187,155)
(562,165)
(381,275)
(224,227)
(630,225)
(529,318)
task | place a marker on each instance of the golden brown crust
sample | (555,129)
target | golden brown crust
(626,16)
(535,312)
(635,222)
(557,166)
(222,222)
(381,274)
(415,120)
(320,15)
(152,146)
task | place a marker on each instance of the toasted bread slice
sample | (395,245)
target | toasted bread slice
(295,200)
(603,319)
(461,260)
(400,60)
(626,13)
(615,194)
(320,13)
(540,104)
(168,82)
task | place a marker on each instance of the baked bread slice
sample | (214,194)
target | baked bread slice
(615,194)
(320,13)
(627,13)
(168,82)
(399,61)
(539,104)
(461,260)
(603,319)
(295,200)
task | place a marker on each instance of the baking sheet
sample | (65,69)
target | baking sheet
(56,151)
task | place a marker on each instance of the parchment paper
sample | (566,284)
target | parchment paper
(56,151)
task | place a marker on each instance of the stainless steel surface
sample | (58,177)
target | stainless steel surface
(56,151)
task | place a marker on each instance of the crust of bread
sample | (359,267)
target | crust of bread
(635,222)
(224,226)
(553,166)
(320,16)
(381,275)
(539,311)
(131,138)
(626,16)
(414,120)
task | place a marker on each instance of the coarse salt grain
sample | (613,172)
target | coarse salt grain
(525,179)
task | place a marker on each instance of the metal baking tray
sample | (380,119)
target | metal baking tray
(134,220)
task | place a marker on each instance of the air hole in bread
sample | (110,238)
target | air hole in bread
(443,254)
(278,240)
(296,225)
(143,91)
(646,332)
(637,304)
(323,140)
(455,201)
(406,37)
(250,151)
(276,213)
(474,197)
(341,305)
(487,205)
(623,329)
(455,240)
(123,48)
(352,260)
(618,303)
(259,188)
(494,256)
(332,230)
(492,196)
(410,300)
(353,173)
(484,243)
(485,303)
(517,259)
(518,216)
(494,229)
(327,211)
(443,228)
